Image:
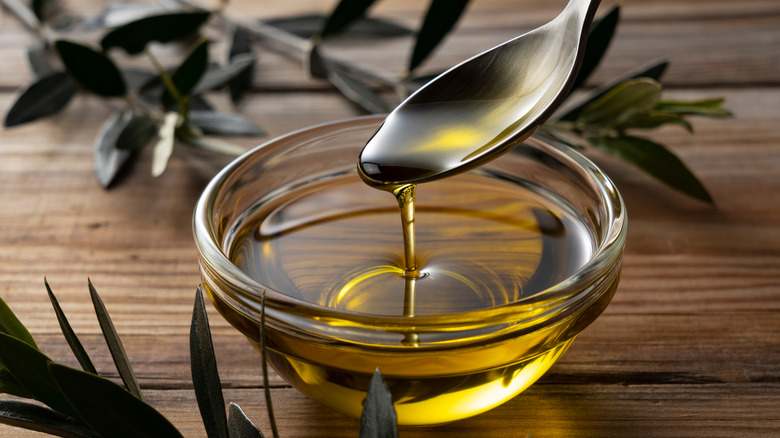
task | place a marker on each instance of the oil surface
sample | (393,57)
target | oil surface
(482,242)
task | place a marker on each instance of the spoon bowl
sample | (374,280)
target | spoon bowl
(482,107)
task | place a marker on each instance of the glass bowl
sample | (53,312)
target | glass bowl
(441,365)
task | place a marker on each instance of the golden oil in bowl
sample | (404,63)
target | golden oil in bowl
(514,260)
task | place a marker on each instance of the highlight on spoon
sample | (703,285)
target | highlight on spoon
(480,108)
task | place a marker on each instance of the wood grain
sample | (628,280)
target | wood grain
(689,346)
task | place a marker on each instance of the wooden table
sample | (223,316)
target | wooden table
(690,345)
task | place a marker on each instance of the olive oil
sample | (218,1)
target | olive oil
(482,241)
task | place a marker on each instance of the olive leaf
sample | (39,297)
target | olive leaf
(10,325)
(205,376)
(356,91)
(134,36)
(655,119)
(39,8)
(240,426)
(115,346)
(70,335)
(39,62)
(92,69)
(707,107)
(108,159)
(228,124)
(44,97)
(191,70)
(345,13)
(138,132)
(654,70)
(30,368)
(38,418)
(220,76)
(441,17)
(654,159)
(308,25)
(108,408)
(600,35)
(164,147)
(628,101)
(378,419)
(240,50)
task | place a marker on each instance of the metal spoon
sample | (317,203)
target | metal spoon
(481,108)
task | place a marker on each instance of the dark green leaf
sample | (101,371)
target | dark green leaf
(120,13)
(378,419)
(11,325)
(629,100)
(269,406)
(653,71)
(109,160)
(345,13)
(109,408)
(205,376)
(601,32)
(44,97)
(707,107)
(655,119)
(38,418)
(315,64)
(441,17)
(654,159)
(138,132)
(92,69)
(39,62)
(191,70)
(134,36)
(114,343)
(306,26)
(9,384)
(30,368)
(220,76)
(241,48)
(229,124)
(356,91)
(240,426)
(70,335)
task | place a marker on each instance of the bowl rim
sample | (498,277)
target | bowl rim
(553,300)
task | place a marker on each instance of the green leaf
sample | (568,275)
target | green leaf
(92,69)
(600,35)
(240,50)
(229,124)
(653,70)
(10,325)
(654,159)
(70,335)
(30,368)
(40,419)
(9,384)
(629,100)
(191,70)
(109,160)
(240,426)
(164,147)
(43,98)
(134,36)
(205,376)
(39,62)
(707,107)
(655,119)
(378,419)
(115,346)
(108,408)
(39,8)
(441,17)
(307,26)
(356,91)
(345,13)
(219,77)
(138,132)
